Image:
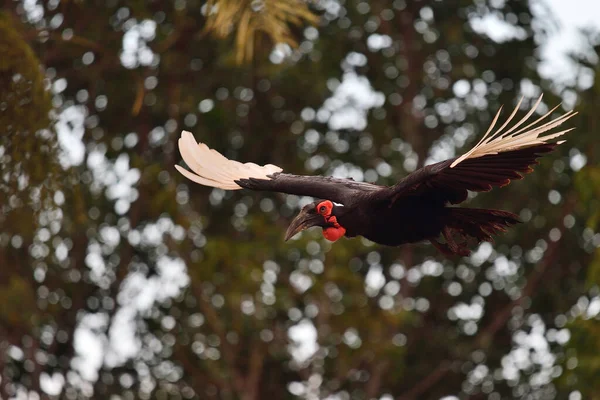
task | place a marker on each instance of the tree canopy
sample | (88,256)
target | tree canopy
(121,279)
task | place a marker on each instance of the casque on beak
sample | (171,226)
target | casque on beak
(303,220)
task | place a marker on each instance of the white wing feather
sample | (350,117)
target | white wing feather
(211,168)
(499,141)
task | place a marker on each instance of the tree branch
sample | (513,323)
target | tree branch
(426,383)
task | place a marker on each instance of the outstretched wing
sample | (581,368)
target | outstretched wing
(211,168)
(497,159)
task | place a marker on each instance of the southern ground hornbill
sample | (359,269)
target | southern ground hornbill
(417,208)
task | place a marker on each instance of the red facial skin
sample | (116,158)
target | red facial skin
(336,231)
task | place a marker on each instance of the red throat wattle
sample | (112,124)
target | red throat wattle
(336,231)
(333,234)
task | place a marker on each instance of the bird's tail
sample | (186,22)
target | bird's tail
(479,223)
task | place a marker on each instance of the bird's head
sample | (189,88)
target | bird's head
(320,213)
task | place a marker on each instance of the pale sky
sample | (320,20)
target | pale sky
(572,16)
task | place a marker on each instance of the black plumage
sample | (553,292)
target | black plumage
(422,206)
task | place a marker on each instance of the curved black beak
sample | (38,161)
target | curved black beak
(303,221)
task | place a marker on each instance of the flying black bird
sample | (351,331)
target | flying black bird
(417,208)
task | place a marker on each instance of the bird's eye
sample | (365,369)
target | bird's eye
(323,209)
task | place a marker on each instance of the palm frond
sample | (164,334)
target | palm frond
(247,19)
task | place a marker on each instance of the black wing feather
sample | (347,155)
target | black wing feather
(343,191)
(451,185)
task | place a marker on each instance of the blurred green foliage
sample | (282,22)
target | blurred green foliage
(25,107)
(120,278)
(250,20)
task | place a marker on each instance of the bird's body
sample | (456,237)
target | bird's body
(410,221)
(420,207)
